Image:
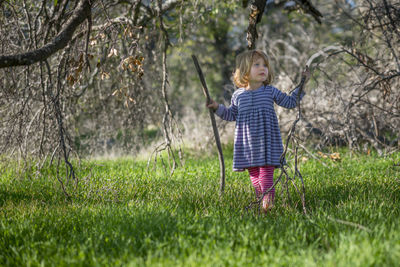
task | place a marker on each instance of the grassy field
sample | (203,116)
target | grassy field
(121,215)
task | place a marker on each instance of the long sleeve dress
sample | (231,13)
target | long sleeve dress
(258,139)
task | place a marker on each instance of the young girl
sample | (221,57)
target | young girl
(258,143)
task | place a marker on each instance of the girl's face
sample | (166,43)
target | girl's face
(259,71)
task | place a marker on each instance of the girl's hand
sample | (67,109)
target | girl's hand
(212,105)
(306,74)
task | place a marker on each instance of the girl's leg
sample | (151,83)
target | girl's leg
(266,178)
(254,173)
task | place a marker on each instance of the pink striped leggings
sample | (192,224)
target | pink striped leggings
(262,179)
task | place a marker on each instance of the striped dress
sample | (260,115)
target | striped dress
(258,139)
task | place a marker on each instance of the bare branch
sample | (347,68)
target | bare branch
(82,12)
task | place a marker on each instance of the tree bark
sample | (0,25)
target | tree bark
(256,11)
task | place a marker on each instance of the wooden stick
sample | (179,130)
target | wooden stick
(214,126)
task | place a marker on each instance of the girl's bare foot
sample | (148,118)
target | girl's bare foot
(267,204)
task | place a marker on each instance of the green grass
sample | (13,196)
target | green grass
(122,215)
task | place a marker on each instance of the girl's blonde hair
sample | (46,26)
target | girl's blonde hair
(244,61)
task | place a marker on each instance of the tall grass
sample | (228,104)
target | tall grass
(123,215)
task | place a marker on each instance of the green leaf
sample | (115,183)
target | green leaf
(55,2)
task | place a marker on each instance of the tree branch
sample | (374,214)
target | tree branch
(308,7)
(256,11)
(214,126)
(83,11)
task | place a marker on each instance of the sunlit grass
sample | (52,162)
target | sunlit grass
(123,214)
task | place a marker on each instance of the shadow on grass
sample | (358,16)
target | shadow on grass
(17,195)
(117,233)
(361,191)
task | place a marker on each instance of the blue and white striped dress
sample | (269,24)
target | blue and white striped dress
(258,139)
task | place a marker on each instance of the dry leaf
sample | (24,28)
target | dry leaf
(79,69)
(105,75)
(335,156)
(132,67)
(113,52)
(126,31)
(71,80)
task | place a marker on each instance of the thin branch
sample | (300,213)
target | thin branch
(356,225)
